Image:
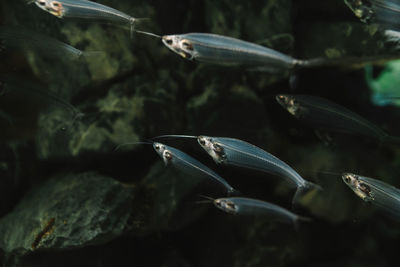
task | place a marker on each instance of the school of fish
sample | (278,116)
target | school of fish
(315,112)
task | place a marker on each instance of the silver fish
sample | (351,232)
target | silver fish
(361,9)
(189,165)
(385,12)
(84,9)
(231,151)
(253,207)
(18,37)
(381,194)
(235,152)
(228,51)
(29,88)
(326,115)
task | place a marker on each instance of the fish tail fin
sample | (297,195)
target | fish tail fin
(310,63)
(343,62)
(300,219)
(233,192)
(302,190)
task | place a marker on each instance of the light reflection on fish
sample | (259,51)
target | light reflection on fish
(254,207)
(84,9)
(326,115)
(381,194)
(187,164)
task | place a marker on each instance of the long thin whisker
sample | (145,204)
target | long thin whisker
(174,136)
(149,33)
(325,172)
(134,143)
(203,202)
(207,197)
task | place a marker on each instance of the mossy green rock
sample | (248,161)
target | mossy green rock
(68,212)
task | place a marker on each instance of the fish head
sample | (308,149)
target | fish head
(289,103)
(362,9)
(179,45)
(350,179)
(163,152)
(359,187)
(226,205)
(56,8)
(53,7)
(42,4)
(212,147)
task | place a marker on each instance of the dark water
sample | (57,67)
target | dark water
(68,199)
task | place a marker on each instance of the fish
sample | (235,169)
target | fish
(326,115)
(385,196)
(253,207)
(25,39)
(29,88)
(361,10)
(235,152)
(228,51)
(383,12)
(231,52)
(189,165)
(86,10)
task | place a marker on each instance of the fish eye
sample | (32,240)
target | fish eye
(202,142)
(157,147)
(347,179)
(168,41)
(167,155)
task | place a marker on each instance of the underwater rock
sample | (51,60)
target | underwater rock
(218,109)
(9,172)
(68,212)
(232,20)
(119,116)
(279,245)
